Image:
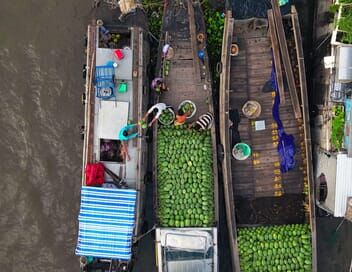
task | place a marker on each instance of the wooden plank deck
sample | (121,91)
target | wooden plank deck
(260,175)
(185,75)
(286,58)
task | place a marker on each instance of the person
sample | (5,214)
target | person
(159,107)
(159,85)
(124,151)
(181,117)
(125,132)
(166,48)
(204,122)
(125,135)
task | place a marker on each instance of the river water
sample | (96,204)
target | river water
(41,57)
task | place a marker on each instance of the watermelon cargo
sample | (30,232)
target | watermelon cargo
(185,170)
(269,196)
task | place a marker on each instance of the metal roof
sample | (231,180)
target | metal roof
(106,222)
(343,184)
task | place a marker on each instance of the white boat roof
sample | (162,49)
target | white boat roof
(189,240)
(111,115)
(343,184)
(181,239)
(338,174)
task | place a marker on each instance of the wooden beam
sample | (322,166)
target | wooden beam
(276,54)
(307,134)
(225,139)
(286,58)
(90,99)
(192,30)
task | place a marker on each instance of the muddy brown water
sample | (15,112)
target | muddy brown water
(41,57)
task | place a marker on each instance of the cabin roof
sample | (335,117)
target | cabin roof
(100,233)
(343,184)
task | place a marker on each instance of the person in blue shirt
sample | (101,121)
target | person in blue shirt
(126,134)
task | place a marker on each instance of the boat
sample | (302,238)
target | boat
(113,170)
(184,165)
(332,119)
(266,145)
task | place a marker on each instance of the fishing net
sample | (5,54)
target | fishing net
(286,146)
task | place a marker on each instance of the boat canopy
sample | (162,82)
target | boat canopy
(106,222)
(187,249)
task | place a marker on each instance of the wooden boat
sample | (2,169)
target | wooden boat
(258,195)
(111,213)
(187,242)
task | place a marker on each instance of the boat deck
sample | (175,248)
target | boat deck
(255,190)
(188,77)
(260,175)
(113,114)
(105,117)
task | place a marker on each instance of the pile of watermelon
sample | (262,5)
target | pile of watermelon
(185,177)
(275,248)
(167,117)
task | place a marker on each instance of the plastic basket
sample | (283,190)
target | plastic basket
(173,119)
(105,81)
(194,107)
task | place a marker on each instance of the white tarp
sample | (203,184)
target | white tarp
(193,240)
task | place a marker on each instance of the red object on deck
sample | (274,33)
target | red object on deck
(94,174)
(119,54)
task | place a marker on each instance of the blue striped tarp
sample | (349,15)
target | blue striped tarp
(106,222)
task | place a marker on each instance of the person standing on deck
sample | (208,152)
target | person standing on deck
(159,107)
(204,122)
(181,117)
(126,135)
(125,132)
(159,85)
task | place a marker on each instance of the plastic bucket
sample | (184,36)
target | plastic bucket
(241,151)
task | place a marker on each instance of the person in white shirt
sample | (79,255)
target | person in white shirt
(159,107)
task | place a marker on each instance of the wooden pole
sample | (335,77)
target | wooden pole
(277,59)
(286,59)
(225,139)
(307,134)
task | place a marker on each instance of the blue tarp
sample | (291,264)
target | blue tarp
(106,222)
